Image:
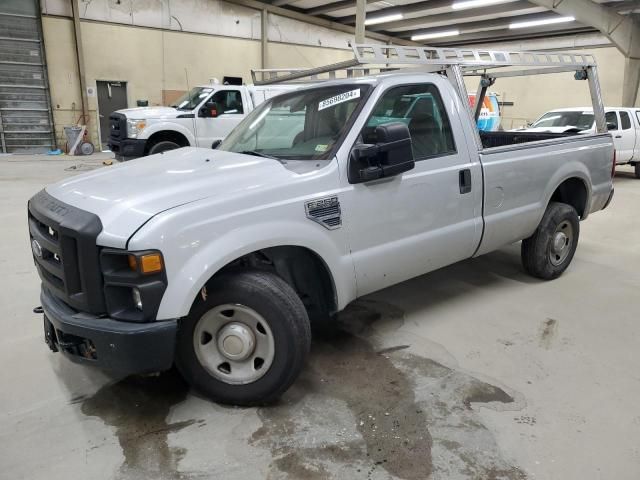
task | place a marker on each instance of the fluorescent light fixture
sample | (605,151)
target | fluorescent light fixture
(427,36)
(537,23)
(383,19)
(475,3)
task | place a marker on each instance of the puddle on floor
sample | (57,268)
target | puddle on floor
(138,408)
(407,416)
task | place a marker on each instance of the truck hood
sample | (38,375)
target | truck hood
(142,113)
(127,195)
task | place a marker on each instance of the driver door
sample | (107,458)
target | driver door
(423,219)
(218,115)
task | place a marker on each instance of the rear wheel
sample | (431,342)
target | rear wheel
(162,146)
(246,341)
(637,169)
(549,251)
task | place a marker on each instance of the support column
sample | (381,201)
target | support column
(361,7)
(264,36)
(631,82)
(80,59)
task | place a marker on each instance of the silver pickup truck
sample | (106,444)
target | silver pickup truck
(220,260)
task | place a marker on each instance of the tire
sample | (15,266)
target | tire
(549,251)
(266,307)
(637,169)
(162,146)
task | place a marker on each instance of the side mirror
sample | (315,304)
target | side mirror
(215,144)
(611,126)
(209,110)
(390,156)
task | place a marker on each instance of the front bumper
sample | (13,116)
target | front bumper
(123,347)
(127,148)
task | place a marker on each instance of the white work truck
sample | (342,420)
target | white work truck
(202,116)
(623,123)
(219,261)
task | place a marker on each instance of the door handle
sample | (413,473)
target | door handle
(464,179)
(618,136)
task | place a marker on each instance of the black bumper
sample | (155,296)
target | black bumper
(128,148)
(123,347)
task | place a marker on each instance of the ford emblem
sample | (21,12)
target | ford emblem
(36,248)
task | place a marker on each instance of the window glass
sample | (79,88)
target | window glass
(227,101)
(302,125)
(578,119)
(611,117)
(421,109)
(625,120)
(192,98)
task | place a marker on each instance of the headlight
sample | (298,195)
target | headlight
(134,283)
(134,127)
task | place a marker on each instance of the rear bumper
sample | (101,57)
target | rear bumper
(128,148)
(123,347)
(606,204)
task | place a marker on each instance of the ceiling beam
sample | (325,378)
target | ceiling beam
(496,24)
(303,17)
(331,7)
(461,16)
(623,31)
(280,3)
(507,35)
(411,8)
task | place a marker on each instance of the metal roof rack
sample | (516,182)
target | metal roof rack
(390,57)
(455,63)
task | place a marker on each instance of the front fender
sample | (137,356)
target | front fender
(164,126)
(191,262)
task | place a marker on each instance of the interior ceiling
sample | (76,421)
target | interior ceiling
(488,21)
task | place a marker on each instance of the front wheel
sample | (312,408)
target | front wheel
(162,146)
(549,251)
(245,341)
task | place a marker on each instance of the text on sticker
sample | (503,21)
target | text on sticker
(343,97)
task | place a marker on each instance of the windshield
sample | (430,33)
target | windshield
(577,119)
(301,125)
(192,98)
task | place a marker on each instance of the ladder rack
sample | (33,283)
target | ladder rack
(390,57)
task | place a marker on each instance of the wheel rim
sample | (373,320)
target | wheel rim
(234,343)
(561,243)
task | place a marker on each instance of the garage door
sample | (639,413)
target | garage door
(26,124)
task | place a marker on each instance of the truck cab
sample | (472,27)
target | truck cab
(202,116)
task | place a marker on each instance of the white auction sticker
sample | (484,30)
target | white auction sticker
(343,97)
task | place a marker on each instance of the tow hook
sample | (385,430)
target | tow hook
(38,310)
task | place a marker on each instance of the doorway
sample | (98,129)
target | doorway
(112,96)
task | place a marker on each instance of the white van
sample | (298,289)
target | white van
(623,123)
(201,117)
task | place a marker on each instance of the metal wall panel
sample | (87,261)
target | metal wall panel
(26,123)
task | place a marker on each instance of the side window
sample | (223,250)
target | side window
(228,101)
(420,107)
(611,117)
(625,120)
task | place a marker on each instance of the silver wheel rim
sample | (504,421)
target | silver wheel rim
(234,344)
(561,243)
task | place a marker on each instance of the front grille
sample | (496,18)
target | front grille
(63,241)
(117,126)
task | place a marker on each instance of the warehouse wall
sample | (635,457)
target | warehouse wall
(161,48)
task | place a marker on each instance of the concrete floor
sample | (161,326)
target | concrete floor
(473,372)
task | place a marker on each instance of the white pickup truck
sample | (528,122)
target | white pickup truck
(623,123)
(199,118)
(219,261)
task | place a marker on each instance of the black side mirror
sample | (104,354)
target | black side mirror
(209,110)
(391,155)
(215,144)
(611,126)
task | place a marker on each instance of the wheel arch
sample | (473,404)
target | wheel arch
(573,191)
(166,135)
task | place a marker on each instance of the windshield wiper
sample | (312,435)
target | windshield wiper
(258,154)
